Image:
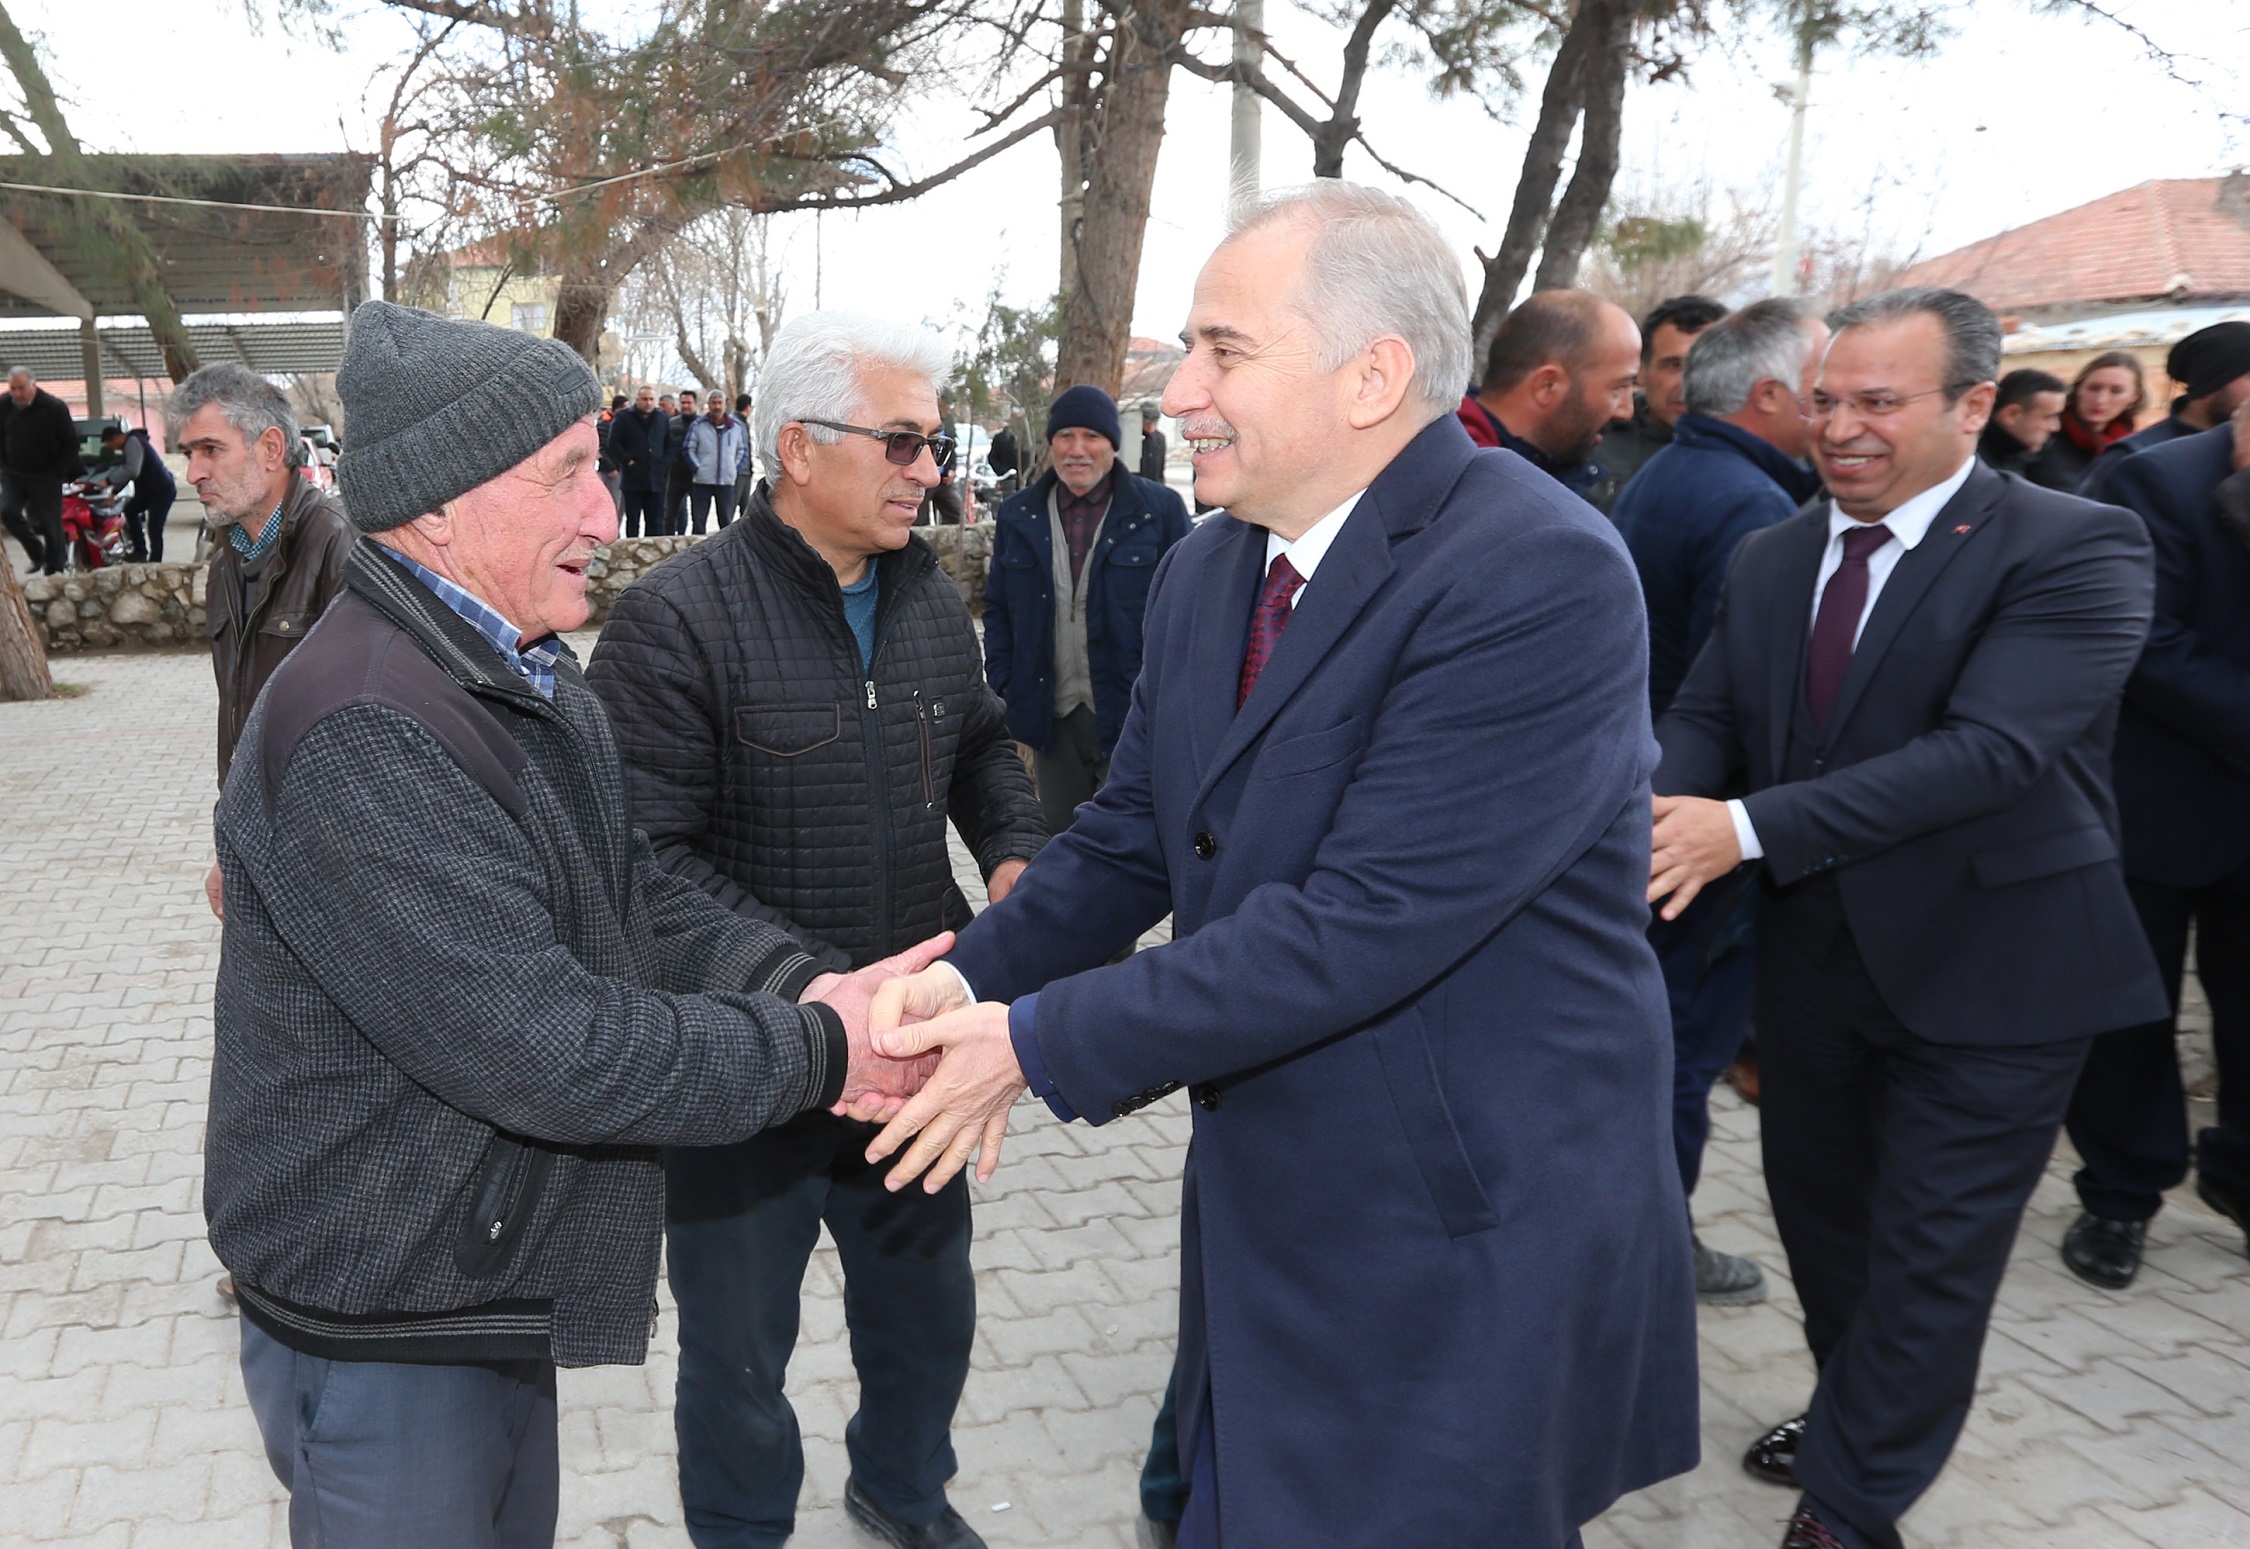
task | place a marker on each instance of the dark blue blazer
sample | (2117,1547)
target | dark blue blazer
(1712,486)
(1963,794)
(2183,743)
(2095,484)
(1145,519)
(1435,1277)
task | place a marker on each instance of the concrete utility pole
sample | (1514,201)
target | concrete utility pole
(1245,151)
(1785,243)
(90,350)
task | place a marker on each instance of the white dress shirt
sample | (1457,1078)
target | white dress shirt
(1909,525)
(1305,554)
(1310,546)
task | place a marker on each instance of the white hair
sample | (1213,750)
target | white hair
(1765,340)
(814,366)
(1376,266)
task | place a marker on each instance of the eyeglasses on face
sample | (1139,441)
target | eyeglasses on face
(1873,405)
(900,446)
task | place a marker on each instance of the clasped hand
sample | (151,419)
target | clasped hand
(926,1060)
(961,1111)
(875,1086)
(1693,843)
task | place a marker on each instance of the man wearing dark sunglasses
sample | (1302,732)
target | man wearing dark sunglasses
(800,706)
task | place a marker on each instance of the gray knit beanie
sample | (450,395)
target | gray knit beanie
(435,406)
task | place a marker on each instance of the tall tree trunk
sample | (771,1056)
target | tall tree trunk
(23,659)
(1071,135)
(1601,76)
(581,308)
(1535,184)
(1120,170)
(1343,122)
(104,226)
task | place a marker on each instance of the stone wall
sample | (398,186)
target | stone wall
(160,607)
(119,607)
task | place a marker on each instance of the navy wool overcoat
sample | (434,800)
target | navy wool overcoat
(1436,1286)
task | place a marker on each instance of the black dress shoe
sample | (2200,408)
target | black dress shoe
(2225,1200)
(947,1532)
(1807,1531)
(2104,1252)
(1773,1456)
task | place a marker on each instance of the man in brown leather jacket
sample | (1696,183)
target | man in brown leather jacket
(281,540)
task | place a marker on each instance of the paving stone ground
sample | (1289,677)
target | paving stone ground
(2103,1420)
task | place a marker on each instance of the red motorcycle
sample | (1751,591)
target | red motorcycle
(93,522)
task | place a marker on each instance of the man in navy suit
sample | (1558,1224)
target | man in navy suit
(1916,685)
(1735,464)
(1387,768)
(2183,792)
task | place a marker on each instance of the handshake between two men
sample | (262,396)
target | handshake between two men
(927,1063)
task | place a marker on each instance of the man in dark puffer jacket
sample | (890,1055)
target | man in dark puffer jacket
(801,706)
(459,1006)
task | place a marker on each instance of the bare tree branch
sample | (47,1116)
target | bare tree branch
(532,25)
(2096,11)
(898,192)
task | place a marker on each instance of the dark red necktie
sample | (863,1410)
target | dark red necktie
(1266,625)
(1836,625)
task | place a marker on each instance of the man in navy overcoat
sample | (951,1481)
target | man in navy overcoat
(1387,766)
(2183,799)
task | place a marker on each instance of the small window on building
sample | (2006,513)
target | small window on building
(530,317)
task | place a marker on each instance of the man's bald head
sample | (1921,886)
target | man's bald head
(1562,366)
(1566,328)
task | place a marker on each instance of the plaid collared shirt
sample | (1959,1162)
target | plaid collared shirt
(535,663)
(1081,517)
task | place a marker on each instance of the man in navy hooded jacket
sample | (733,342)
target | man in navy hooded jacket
(1387,767)
(1735,464)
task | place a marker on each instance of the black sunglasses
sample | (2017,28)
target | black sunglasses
(900,446)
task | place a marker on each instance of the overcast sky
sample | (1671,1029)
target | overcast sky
(2022,115)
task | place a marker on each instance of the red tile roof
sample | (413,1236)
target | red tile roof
(2176,239)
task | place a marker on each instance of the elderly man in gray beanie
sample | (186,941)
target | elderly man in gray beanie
(459,1009)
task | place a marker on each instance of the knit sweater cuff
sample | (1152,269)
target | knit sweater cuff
(827,1053)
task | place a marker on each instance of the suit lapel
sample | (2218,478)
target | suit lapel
(1405,497)
(1917,570)
(1354,569)
(1222,626)
(1793,589)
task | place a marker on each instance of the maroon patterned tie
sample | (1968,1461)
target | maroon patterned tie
(1266,625)
(1836,625)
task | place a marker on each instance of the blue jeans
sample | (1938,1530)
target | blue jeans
(383,1456)
(643,507)
(1710,975)
(741,1221)
(1164,1489)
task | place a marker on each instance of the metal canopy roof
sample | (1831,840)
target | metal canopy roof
(280,347)
(213,260)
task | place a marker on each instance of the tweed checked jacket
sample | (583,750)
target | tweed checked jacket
(460,1007)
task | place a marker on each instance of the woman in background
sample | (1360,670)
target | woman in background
(2105,400)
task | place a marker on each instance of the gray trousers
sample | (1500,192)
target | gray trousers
(1070,768)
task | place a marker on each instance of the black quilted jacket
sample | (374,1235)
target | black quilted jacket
(769,770)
